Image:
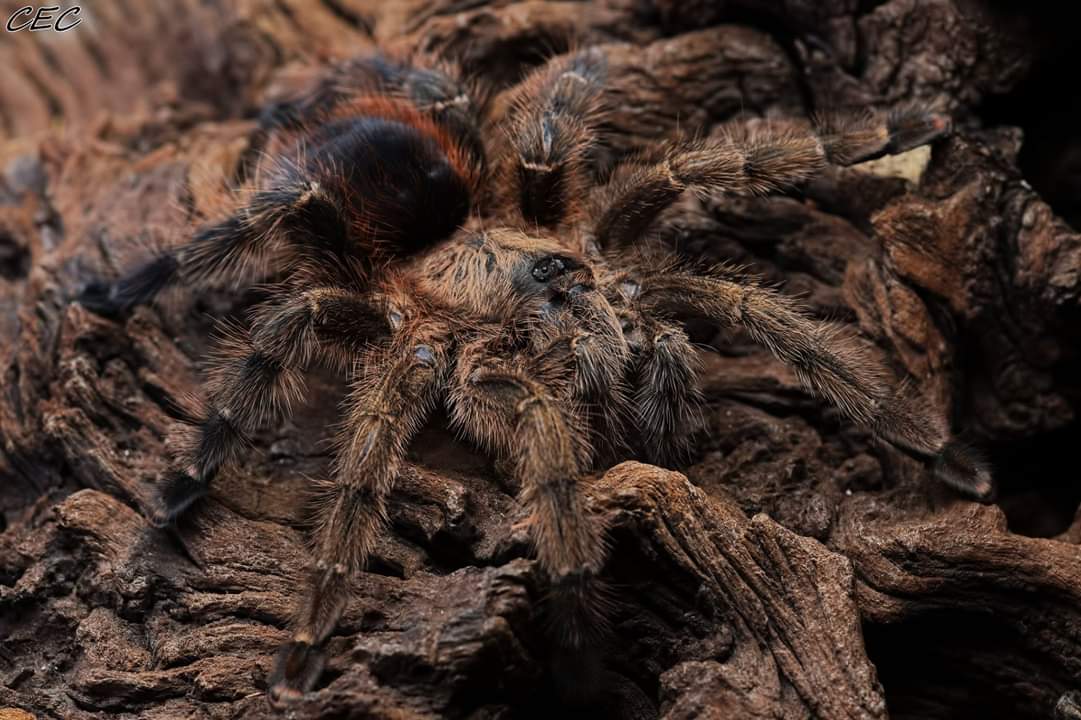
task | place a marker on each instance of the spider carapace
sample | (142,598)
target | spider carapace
(439,257)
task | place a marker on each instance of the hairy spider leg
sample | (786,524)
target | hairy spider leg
(504,405)
(750,163)
(377,177)
(553,120)
(255,376)
(828,362)
(388,404)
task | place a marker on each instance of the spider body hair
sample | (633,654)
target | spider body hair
(440,261)
(369,179)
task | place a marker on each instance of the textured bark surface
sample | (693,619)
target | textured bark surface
(790,570)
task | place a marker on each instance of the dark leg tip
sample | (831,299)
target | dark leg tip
(99,298)
(159,518)
(912,128)
(118,299)
(578,675)
(178,492)
(282,696)
(962,468)
(297,667)
(576,609)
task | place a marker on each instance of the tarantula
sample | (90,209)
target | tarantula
(441,262)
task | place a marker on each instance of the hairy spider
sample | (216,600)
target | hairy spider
(514,292)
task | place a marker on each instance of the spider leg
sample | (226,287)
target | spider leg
(666,396)
(360,75)
(554,113)
(435,87)
(827,362)
(518,408)
(439,90)
(387,406)
(758,162)
(581,322)
(602,390)
(221,250)
(255,376)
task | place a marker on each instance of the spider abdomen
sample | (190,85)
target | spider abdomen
(399,185)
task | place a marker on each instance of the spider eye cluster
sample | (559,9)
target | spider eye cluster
(548,267)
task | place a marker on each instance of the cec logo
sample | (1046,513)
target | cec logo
(47,17)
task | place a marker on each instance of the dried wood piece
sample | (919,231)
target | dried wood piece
(795,649)
(954,600)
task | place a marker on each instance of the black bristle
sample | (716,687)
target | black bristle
(119,298)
